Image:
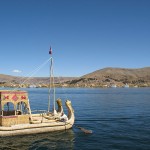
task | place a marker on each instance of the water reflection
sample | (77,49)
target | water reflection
(47,141)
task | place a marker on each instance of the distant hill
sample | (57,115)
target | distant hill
(8,79)
(118,76)
(3,77)
(101,78)
(120,73)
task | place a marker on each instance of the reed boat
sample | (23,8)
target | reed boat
(16,117)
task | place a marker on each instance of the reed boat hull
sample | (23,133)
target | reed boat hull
(37,123)
(25,129)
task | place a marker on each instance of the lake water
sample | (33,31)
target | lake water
(118,117)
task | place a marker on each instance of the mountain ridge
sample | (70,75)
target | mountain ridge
(124,71)
(119,76)
(105,77)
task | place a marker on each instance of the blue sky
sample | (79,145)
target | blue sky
(85,35)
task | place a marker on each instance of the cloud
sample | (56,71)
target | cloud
(17,71)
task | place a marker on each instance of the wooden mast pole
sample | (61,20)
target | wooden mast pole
(51,83)
(50,52)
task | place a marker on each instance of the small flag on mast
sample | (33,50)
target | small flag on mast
(50,51)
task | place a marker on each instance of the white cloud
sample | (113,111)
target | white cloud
(17,71)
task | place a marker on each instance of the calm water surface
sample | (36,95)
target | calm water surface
(118,117)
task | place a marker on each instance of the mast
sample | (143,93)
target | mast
(51,82)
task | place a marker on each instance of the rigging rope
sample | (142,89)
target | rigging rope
(51,81)
(34,72)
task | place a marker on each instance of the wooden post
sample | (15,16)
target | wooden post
(29,110)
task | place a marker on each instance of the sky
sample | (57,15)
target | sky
(85,36)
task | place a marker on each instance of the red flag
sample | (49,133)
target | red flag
(50,51)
